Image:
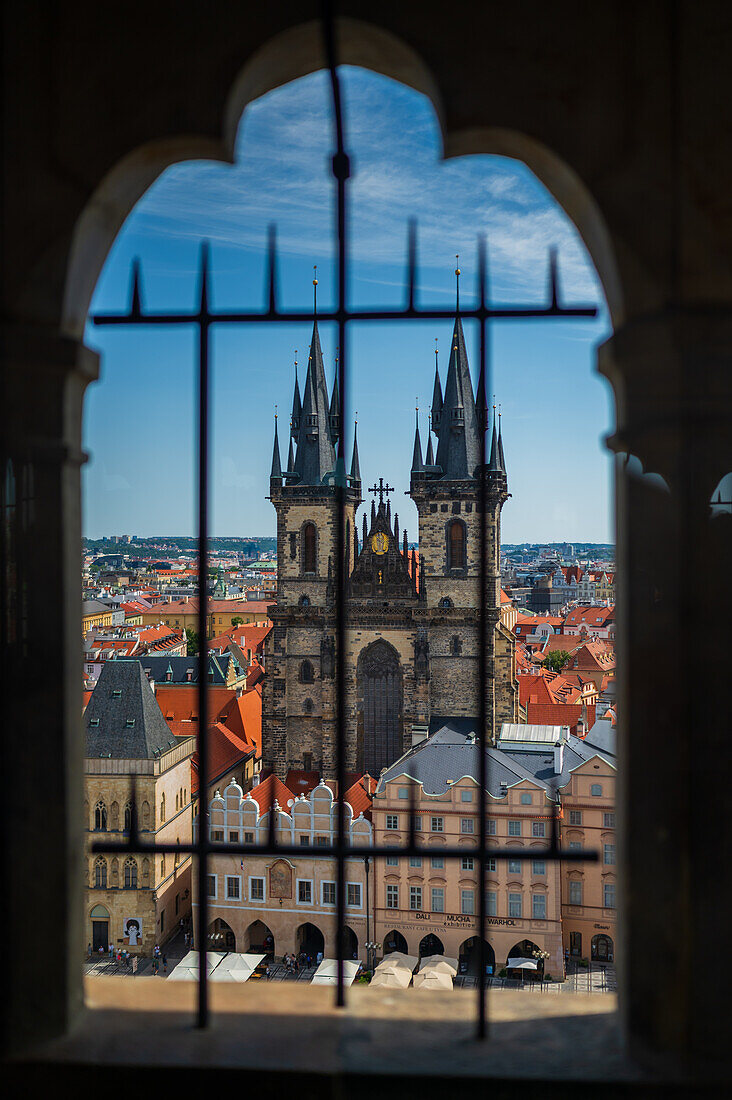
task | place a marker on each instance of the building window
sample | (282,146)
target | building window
(525,798)
(467,901)
(128,817)
(212,886)
(304,892)
(437,863)
(100,873)
(100,815)
(466,796)
(321,841)
(307,675)
(392,822)
(403,792)
(456,544)
(437,825)
(415,897)
(438,899)
(538,906)
(392,861)
(490,864)
(130,874)
(416,823)
(491,906)
(575,817)
(490,826)
(608,895)
(217,835)
(466,863)
(308,548)
(415,861)
(467,825)
(575,845)
(538,867)
(249,838)
(575,891)
(233,836)
(596,790)
(353,895)
(608,821)
(538,828)
(514,828)
(304,840)
(456,649)
(514,905)
(328,893)
(392,897)
(256,889)
(445,603)
(608,854)
(162,807)
(233,889)
(514,866)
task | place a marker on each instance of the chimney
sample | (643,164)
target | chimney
(419,734)
(559,750)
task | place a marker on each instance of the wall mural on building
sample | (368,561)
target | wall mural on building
(132,931)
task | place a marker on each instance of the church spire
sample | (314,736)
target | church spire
(493,460)
(436,397)
(501,458)
(417,464)
(458,449)
(291,458)
(315,455)
(276,471)
(355,464)
(296,405)
(334,414)
(430,456)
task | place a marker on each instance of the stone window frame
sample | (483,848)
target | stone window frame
(316,547)
(263,880)
(301,674)
(100,872)
(327,882)
(304,882)
(451,567)
(237,880)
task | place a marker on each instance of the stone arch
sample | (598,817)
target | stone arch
(307,672)
(350,943)
(100,815)
(145,815)
(310,939)
(394,941)
(100,872)
(602,948)
(309,548)
(259,938)
(221,936)
(524,949)
(469,956)
(430,945)
(456,544)
(380,694)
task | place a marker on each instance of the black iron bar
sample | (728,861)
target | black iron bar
(483,627)
(202,732)
(422,313)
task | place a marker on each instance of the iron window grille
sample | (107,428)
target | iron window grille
(202,319)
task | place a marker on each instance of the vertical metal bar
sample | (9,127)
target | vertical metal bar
(341,171)
(483,625)
(202,738)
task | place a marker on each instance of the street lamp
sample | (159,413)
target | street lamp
(370,948)
(541,957)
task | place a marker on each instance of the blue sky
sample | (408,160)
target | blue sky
(140,418)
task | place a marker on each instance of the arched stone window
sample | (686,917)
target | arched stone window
(100,873)
(145,815)
(162,807)
(307,675)
(445,603)
(162,867)
(128,816)
(308,706)
(115,871)
(309,545)
(456,646)
(86,813)
(130,874)
(146,872)
(456,544)
(177,798)
(114,816)
(303,602)
(100,815)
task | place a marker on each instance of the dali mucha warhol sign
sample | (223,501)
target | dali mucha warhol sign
(457,920)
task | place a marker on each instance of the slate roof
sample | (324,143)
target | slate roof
(451,753)
(130,722)
(179,667)
(95,607)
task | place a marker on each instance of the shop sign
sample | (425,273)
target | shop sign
(603,927)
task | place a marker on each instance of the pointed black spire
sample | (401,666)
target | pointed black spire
(417,464)
(430,456)
(458,450)
(373,512)
(405,546)
(493,460)
(315,452)
(355,464)
(334,414)
(436,398)
(501,457)
(296,406)
(291,458)
(396,528)
(276,471)
(388,513)
(365,531)
(481,401)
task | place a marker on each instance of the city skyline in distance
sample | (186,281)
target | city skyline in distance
(140,422)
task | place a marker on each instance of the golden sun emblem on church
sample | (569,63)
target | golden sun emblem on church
(380,542)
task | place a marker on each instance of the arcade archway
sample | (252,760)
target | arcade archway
(310,940)
(394,941)
(350,945)
(260,938)
(602,948)
(522,950)
(469,957)
(430,945)
(221,936)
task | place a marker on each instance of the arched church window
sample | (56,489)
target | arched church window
(308,548)
(456,646)
(445,603)
(308,706)
(100,873)
(100,815)
(456,544)
(307,675)
(128,817)
(130,874)
(114,816)
(303,602)
(162,807)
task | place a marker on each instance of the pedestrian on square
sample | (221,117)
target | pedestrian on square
(165,964)
(88,951)
(101,950)
(111,951)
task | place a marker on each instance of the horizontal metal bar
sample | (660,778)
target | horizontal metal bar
(549,853)
(480,313)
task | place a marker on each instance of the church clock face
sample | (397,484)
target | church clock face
(380,543)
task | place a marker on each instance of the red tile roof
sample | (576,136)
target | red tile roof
(270,790)
(225,751)
(360,796)
(301,782)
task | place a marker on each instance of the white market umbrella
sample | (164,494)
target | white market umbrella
(409,961)
(439,962)
(521,964)
(187,968)
(432,979)
(394,977)
(236,967)
(327,972)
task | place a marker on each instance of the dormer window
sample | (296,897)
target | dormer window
(93,721)
(116,694)
(130,722)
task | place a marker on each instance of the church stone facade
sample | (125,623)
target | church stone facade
(412,638)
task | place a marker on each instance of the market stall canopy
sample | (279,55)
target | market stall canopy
(432,979)
(395,977)
(187,968)
(236,967)
(521,964)
(327,972)
(440,962)
(409,961)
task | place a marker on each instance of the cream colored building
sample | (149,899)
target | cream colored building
(283,904)
(136,900)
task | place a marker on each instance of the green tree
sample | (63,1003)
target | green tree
(192,638)
(556,660)
(237,621)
